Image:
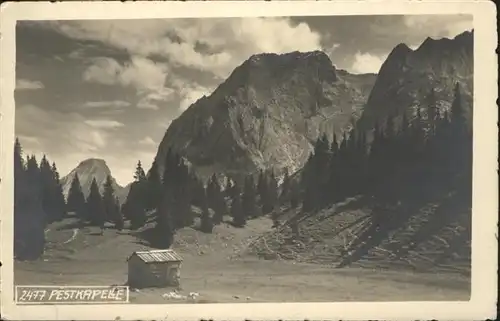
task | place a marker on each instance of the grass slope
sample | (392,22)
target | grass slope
(219,267)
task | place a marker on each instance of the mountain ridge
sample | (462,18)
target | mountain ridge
(407,76)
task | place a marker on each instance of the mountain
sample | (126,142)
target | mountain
(267,114)
(407,76)
(89,169)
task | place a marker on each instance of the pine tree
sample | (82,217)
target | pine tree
(143,195)
(109,202)
(294,195)
(76,199)
(133,208)
(18,157)
(183,196)
(47,189)
(418,135)
(165,228)
(249,198)
(206,223)
(264,193)
(433,114)
(154,187)
(333,172)
(119,224)
(285,187)
(273,190)
(59,201)
(95,206)
(33,173)
(239,219)
(216,200)
(29,215)
(459,142)
(19,172)
(139,174)
(458,113)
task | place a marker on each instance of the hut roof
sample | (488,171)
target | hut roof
(158,256)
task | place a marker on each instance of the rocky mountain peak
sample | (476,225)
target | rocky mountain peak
(94,163)
(89,169)
(407,77)
(267,114)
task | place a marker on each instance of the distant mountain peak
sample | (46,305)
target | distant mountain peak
(89,169)
(400,52)
(93,162)
(315,54)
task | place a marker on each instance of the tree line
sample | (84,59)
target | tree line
(417,150)
(97,208)
(429,148)
(405,152)
(38,201)
(168,198)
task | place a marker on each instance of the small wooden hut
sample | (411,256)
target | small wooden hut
(154,268)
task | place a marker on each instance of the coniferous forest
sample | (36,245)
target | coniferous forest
(39,201)
(405,158)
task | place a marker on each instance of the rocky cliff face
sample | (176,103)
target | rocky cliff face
(89,169)
(267,114)
(407,76)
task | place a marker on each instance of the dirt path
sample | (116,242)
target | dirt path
(75,234)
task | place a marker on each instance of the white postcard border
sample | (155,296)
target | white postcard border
(485,183)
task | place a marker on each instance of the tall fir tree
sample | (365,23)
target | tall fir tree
(458,113)
(154,187)
(433,113)
(76,199)
(119,223)
(249,202)
(294,194)
(112,214)
(206,223)
(29,217)
(133,208)
(263,192)
(285,187)
(140,197)
(59,201)
(239,219)
(95,206)
(216,200)
(273,190)
(47,189)
(165,228)
(139,174)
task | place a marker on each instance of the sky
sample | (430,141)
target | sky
(110,88)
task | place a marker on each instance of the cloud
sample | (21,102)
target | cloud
(145,75)
(110,103)
(227,42)
(67,139)
(367,63)
(439,26)
(152,99)
(148,141)
(69,130)
(104,124)
(25,84)
(140,73)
